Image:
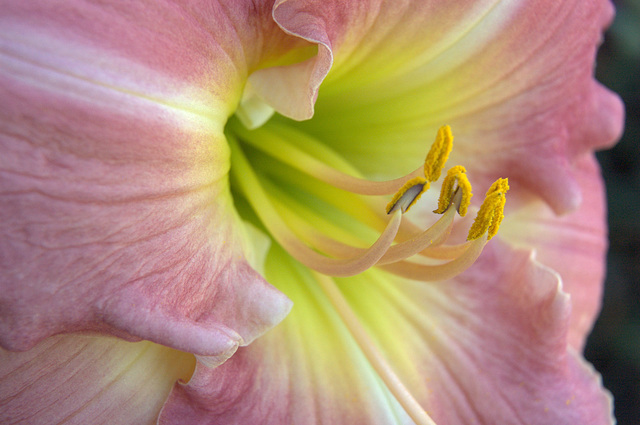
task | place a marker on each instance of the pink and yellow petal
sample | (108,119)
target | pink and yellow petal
(306,370)
(488,347)
(81,380)
(116,215)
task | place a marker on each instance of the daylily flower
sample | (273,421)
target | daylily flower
(205,211)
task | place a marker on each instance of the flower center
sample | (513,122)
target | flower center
(307,197)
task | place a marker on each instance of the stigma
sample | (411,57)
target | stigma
(401,247)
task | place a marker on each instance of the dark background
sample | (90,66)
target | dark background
(614,345)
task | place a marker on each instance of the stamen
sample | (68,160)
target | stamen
(347,260)
(438,154)
(267,213)
(408,195)
(345,267)
(420,242)
(456,180)
(437,157)
(491,211)
(445,252)
(429,241)
(428,273)
(397,252)
(373,355)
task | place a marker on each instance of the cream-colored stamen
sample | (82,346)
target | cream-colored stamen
(431,273)
(419,242)
(400,251)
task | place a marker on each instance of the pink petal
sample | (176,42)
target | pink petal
(501,356)
(489,347)
(115,211)
(292,90)
(84,380)
(307,370)
(574,245)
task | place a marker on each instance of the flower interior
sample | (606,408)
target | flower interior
(320,209)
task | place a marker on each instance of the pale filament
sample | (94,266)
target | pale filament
(427,243)
(445,252)
(278,147)
(431,238)
(373,355)
(462,255)
(345,266)
(430,273)
(408,230)
(394,253)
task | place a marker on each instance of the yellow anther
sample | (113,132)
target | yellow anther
(438,154)
(449,187)
(491,211)
(408,194)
